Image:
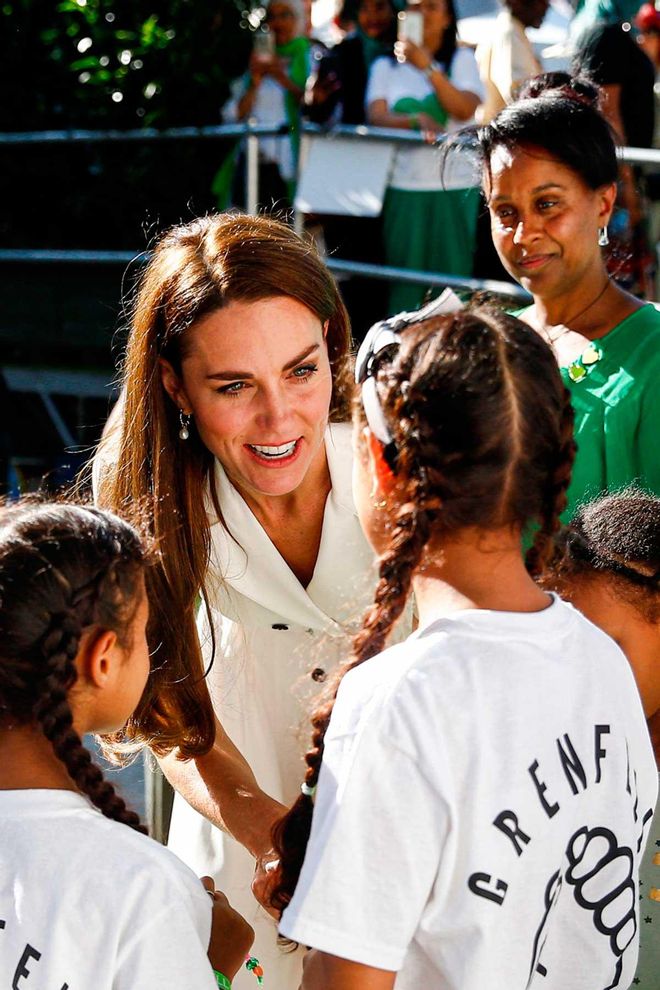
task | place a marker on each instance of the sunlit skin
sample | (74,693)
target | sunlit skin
(258,375)
(544,222)
(111,678)
(595,595)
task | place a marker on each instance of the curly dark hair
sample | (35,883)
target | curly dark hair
(617,537)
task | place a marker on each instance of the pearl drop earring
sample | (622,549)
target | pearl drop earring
(184,420)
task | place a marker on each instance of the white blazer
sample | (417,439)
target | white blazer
(276,640)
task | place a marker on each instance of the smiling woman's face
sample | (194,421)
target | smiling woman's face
(545,220)
(257,380)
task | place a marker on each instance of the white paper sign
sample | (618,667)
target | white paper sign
(343,176)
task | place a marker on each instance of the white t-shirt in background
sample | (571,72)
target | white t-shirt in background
(89,904)
(483,804)
(419,167)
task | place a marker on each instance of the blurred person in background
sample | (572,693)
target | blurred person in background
(506,59)
(336,87)
(271,93)
(335,94)
(647,22)
(607,51)
(429,219)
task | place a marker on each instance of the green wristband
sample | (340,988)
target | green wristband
(222,980)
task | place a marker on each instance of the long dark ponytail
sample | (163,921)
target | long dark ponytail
(64,569)
(482,430)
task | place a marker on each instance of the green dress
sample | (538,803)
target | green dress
(617,410)
(431,230)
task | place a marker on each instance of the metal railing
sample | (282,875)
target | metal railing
(252,132)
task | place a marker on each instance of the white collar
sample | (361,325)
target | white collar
(250,564)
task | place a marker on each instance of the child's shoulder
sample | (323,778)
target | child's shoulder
(93,846)
(451,657)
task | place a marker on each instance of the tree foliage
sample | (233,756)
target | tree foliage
(113,64)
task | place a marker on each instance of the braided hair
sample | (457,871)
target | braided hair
(481,428)
(64,569)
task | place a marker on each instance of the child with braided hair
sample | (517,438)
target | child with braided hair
(86,899)
(485,788)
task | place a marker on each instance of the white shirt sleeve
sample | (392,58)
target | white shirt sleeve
(373,855)
(465,72)
(378,84)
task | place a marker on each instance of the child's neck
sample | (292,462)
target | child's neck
(27,760)
(476,569)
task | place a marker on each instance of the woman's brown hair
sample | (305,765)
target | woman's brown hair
(482,430)
(196,269)
(64,569)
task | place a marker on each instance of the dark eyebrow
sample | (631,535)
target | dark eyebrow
(535,191)
(232,376)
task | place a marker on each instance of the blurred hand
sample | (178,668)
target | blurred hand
(429,127)
(276,69)
(322,89)
(257,66)
(408,51)
(231,936)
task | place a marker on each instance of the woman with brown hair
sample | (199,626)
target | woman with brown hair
(232,371)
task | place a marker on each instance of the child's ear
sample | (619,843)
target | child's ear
(98,657)
(381,472)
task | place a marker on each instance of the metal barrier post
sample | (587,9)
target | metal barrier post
(303,150)
(252,174)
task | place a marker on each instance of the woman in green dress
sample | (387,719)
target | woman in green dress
(550,177)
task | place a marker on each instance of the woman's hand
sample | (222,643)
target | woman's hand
(258,66)
(429,127)
(265,877)
(231,936)
(408,51)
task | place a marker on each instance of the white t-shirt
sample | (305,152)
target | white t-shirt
(485,796)
(420,167)
(89,904)
(269,108)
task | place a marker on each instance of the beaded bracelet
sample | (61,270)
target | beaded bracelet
(253,965)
